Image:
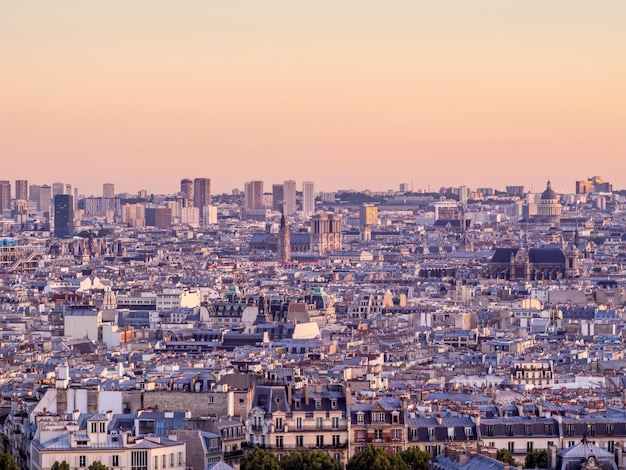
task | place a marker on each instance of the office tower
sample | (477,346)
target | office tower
(308,198)
(289,197)
(325,233)
(68,189)
(45,198)
(277,197)
(134,215)
(21,190)
(63,216)
(108,190)
(253,195)
(75,197)
(5,196)
(368,215)
(186,190)
(34,192)
(160,217)
(58,188)
(201,192)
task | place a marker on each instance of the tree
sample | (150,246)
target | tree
(7,462)
(97,465)
(415,458)
(60,465)
(503,455)
(309,460)
(537,458)
(259,459)
(374,458)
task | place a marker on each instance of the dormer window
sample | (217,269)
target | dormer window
(297,404)
(333,404)
(318,404)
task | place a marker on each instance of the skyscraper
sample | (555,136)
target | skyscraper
(58,188)
(277,197)
(45,198)
(186,190)
(253,197)
(289,197)
(63,216)
(5,195)
(308,198)
(201,192)
(108,190)
(21,190)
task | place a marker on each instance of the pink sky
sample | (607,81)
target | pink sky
(351,94)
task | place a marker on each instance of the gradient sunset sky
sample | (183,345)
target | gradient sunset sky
(348,94)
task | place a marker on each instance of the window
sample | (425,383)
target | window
(396,434)
(511,447)
(609,430)
(336,440)
(82,461)
(319,422)
(333,404)
(379,417)
(103,427)
(548,429)
(591,430)
(395,418)
(570,429)
(360,418)
(610,446)
(335,423)
(299,441)
(318,404)
(115,461)
(94,427)
(156,461)
(319,440)
(279,424)
(468,432)
(431,432)
(180,458)
(337,456)
(529,446)
(298,423)
(529,429)
(378,434)
(172,459)
(164,460)
(509,430)
(279,442)
(211,400)
(489,430)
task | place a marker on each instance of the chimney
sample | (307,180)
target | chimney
(75,415)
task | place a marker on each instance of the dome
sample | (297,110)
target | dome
(549,194)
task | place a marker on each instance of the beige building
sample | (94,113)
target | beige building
(325,233)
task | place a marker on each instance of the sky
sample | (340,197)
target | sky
(348,94)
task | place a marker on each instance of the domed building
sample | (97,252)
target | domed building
(549,207)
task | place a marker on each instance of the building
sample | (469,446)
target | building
(368,215)
(82,323)
(549,207)
(63,216)
(5,196)
(277,197)
(201,193)
(284,241)
(186,191)
(380,423)
(289,198)
(45,199)
(134,215)
(532,264)
(253,196)
(308,198)
(593,185)
(58,188)
(108,190)
(325,233)
(21,190)
(160,217)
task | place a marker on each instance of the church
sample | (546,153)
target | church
(532,264)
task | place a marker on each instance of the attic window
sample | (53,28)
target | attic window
(297,403)
(333,404)
(318,404)
(277,399)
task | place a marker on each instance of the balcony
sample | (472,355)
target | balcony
(257,427)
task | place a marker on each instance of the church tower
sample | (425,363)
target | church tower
(284,241)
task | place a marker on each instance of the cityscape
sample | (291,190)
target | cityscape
(472,326)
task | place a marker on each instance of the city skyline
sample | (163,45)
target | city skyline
(354,95)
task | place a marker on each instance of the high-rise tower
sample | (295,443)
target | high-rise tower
(308,198)
(21,190)
(289,197)
(63,216)
(186,190)
(5,195)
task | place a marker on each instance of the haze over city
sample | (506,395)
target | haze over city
(347,94)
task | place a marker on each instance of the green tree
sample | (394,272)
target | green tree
(97,465)
(503,455)
(60,465)
(398,463)
(309,460)
(259,459)
(372,458)
(537,458)
(415,458)
(7,462)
